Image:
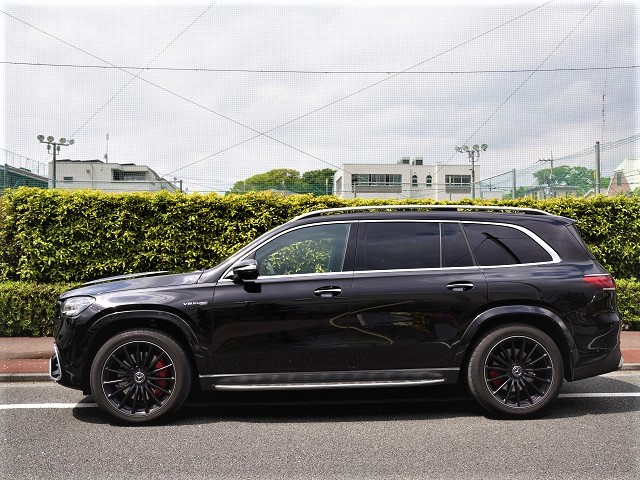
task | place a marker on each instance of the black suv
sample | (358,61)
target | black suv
(508,301)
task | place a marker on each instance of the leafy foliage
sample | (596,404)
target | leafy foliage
(316,182)
(628,292)
(580,177)
(54,236)
(27,309)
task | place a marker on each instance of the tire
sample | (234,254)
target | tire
(140,376)
(515,370)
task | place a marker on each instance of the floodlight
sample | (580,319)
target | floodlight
(63,140)
(41,138)
(476,147)
(484,146)
(50,139)
(72,141)
(458,149)
(465,148)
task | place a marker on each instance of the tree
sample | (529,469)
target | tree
(316,182)
(319,182)
(276,179)
(581,178)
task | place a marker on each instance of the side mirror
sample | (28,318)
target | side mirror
(245,270)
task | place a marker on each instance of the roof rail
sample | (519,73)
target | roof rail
(480,208)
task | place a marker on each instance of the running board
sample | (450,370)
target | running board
(328,385)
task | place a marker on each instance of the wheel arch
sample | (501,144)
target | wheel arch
(166,322)
(538,317)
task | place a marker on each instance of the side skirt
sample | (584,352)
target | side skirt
(329,380)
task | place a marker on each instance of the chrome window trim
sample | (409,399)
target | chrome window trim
(274,278)
(247,254)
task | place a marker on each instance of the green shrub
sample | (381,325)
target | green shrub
(629,302)
(27,309)
(61,236)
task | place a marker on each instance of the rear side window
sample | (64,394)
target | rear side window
(402,245)
(500,245)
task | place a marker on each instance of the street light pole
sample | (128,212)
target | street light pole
(474,156)
(51,143)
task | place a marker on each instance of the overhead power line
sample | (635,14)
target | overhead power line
(533,72)
(319,72)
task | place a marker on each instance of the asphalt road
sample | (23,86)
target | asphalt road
(591,432)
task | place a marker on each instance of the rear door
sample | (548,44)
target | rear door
(415,290)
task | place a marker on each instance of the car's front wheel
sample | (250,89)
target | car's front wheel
(140,375)
(515,370)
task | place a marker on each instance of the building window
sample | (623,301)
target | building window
(414,181)
(67,179)
(458,183)
(619,179)
(376,182)
(429,181)
(122,176)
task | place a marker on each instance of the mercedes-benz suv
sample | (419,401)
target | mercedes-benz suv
(507,301)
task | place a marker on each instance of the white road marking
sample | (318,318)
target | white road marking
(599,395)
(53,406)
(26,406)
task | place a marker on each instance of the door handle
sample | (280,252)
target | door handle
(327,291)
(459,286)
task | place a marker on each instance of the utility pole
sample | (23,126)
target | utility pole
(597,168)
(474,156)
(550,182)
(514,183)
(50,141)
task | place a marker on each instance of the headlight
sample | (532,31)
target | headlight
(76,305)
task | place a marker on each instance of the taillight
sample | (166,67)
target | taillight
(600,282)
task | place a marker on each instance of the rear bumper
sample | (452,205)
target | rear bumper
(612,362)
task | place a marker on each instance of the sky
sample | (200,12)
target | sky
(319,84)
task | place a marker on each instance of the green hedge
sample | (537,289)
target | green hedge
(628,292)
(50,236)
(27,309)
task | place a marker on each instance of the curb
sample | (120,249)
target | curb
(25,377)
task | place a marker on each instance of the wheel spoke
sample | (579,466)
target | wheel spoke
(126,397)
(532,385)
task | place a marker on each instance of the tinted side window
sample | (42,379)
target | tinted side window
(497,245)
(315,249)
(455,251)
(402,245)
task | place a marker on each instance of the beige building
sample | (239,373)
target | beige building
(409,178)
(110,177)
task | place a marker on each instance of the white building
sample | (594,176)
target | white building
(110,177)
(409,178)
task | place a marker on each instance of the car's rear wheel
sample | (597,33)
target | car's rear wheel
(140,375)
(515,370)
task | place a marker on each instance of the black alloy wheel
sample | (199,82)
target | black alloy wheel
(140,375)
(515,370)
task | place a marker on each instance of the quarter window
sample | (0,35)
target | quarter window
(402,245)
(500,245)
(314,249)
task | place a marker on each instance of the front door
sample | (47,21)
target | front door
(290,319)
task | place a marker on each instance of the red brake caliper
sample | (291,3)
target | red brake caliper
(161,374)
(494,374)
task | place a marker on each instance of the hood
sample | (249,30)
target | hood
(133,282)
